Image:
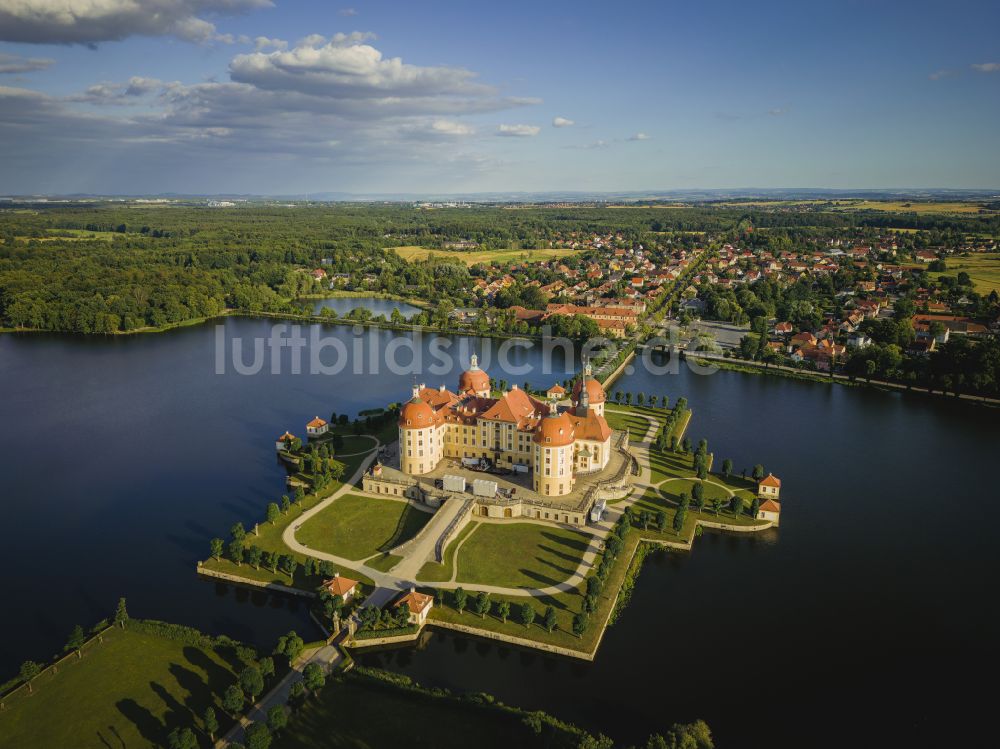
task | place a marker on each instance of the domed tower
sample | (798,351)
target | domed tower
(553,474)
(474,380)
(419,445)
(594,397)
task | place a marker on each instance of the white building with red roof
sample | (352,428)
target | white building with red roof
(317,427)
(338,585)
(419,604)
(769,487)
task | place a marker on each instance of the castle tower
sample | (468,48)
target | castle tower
(553,469)
(420,447)
(595,396)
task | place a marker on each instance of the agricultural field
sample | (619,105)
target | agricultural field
(412,253)
(983,269)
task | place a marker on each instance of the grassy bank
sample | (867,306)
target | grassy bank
(130,690)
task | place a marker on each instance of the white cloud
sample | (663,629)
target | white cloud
(347,12)
(987,67)
(450,127)
(639,136)
(18,64)
(937,75)
(119,93)
(518,131)
(345,66)
(263,42)
(92,21)
(562,122)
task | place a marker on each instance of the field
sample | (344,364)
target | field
(630,417)
(130,690)
(983,269)
(544,555)
(358,527)
(412,253)
(897,206)
(352,712)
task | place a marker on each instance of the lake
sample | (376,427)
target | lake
(123,456)
(343,305)
(864,621)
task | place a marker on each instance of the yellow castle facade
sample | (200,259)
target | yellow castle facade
(515,430)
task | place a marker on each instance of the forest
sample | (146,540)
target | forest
(117,266)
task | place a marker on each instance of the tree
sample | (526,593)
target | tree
(216,546)
(266,666)
(736,505)
(313,677)
(233,699)
(286,504)
(291,646)
(121,614)
(628,398)
(460,599)
(211,722)
(277,718)
(661,521)
(727,467)
(618,397)
(76,641)
(251,682)
(29,670)
(182,738)
(579,624)
(645,517)
(483,604)
(503,610)
(273,512)
(717,505)
(238,533)
(254,555)
(755,507)
(258,736)
(236,552)
(640,399)
(527,614)
(550,618)
(653,400)
(679,518)
(758,472)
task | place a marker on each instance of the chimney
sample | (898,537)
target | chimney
(336,574)
(413,589)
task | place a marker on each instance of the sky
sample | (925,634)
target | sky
(274,97)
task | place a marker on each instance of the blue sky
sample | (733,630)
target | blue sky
(252,96)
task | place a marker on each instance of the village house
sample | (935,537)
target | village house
(769,509)
(284,441)
(769,487)
(341,586)
(317,427)
(419,604)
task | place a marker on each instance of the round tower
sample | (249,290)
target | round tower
(418,448)
(553,469)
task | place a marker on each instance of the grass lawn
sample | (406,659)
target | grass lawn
(357,527)
(352,712)
(384,562)
(520,555)
(441,571)
(269,539)
(129,691)
(631,418)
(413,253)
(983,269)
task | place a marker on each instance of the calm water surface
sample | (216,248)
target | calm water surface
(343,305)
(868,619)
(123,456)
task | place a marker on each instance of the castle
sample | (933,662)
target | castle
(515,431)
